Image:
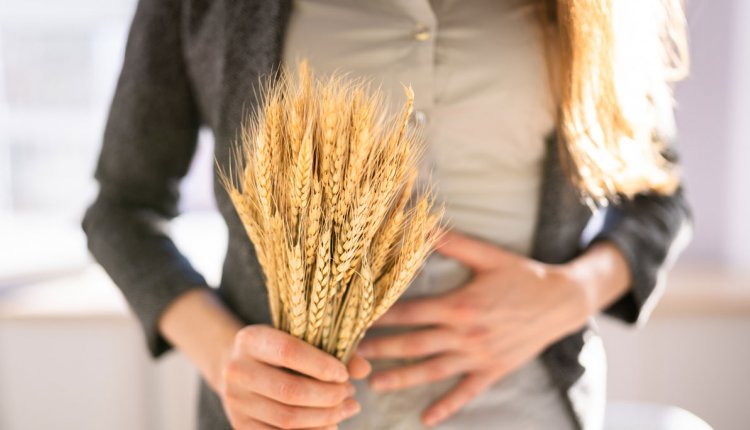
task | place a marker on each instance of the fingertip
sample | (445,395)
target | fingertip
(359,367)
(350,408)
(431,418)
(333,370)
(340,373)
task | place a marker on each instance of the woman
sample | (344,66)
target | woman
(527,119)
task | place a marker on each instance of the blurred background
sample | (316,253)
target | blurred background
(71,355)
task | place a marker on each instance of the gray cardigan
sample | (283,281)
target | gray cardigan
(196,62)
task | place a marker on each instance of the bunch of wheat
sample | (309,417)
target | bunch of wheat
(324,183)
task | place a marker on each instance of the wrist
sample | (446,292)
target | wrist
(201,327)
(219,350)
(573,306)
(601,275)
(582,284)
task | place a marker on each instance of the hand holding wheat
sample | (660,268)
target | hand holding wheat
(274,380)
(324,183)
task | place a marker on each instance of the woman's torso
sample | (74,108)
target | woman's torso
(483,95)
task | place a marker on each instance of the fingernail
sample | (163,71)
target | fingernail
(341,374)
(432,418)
(350,408)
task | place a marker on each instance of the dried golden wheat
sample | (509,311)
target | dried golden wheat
(323,181)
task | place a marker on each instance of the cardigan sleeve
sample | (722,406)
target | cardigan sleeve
(149,141)
(651,230)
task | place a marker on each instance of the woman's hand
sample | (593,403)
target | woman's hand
(266,378)
(274,380)
(510,311)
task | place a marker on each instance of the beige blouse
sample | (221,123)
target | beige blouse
(480,79)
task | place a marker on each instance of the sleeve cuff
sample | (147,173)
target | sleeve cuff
(649,265)
(165,287)
(629,308)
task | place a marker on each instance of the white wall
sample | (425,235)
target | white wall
(89,373)
(699,363)
(705,116)
(739,172)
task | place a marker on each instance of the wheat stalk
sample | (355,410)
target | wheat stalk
(323,181)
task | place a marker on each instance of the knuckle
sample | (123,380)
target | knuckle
(285,350)
(231,371)
(246,335)
(464,311)
(289,390)
(230,398)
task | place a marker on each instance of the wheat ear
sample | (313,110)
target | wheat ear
(302,179)
(320,286)
(366,308)
(297,302)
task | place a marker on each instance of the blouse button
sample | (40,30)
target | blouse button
(421,32)
(417,118)
(420,117)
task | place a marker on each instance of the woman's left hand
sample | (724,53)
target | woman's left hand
(510,311)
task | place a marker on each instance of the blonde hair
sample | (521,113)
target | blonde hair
(618,59)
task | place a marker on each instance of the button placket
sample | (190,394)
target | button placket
(424,36)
